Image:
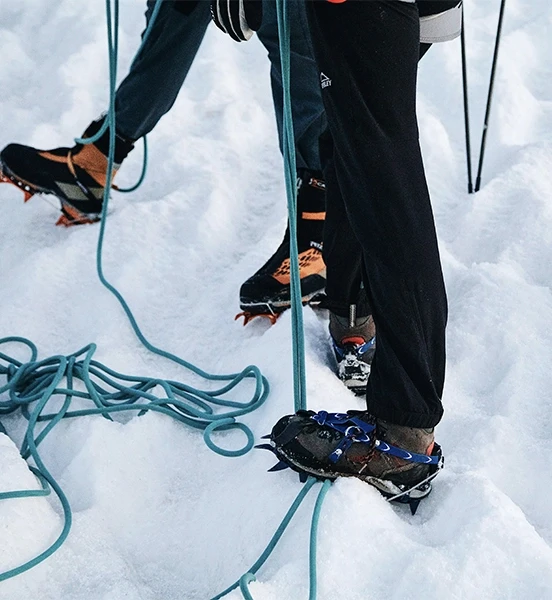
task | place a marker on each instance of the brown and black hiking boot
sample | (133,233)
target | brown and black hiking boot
(354,345)
(268,292)
(399,461)
(77,175)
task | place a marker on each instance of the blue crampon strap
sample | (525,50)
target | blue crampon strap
(360,349)
(357,431)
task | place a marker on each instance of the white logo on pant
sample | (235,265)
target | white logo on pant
(325,81)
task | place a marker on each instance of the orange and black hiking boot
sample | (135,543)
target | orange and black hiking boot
(76,176)
(267,293)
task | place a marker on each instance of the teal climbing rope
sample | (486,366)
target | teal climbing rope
(113,36)
(143,173)
(31,385)
(298,340)
(246,578)
(298,343)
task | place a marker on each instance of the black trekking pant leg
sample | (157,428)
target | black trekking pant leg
(152,85)
(368,51)
(342,251)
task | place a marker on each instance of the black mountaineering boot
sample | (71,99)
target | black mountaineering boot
(76,175)
(354,344)
(268,292)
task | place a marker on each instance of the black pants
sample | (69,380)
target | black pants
(342,251)
(367,52)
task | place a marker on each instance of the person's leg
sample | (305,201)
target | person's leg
(157,74)
(309,119)
(352,328)
(267,291)
(77,175)
(370,51)
(351,325)
(342,250)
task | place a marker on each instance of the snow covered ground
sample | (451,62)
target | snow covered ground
(158,516)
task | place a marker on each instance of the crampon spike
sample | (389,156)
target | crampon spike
(303,477)
(27,190)
(279,466)
(265,447)
(248,317)
(414,503)
(266,437)
(272,313)
(71,216)
(64,221)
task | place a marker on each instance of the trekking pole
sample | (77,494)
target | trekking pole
(466,109)
(489,96)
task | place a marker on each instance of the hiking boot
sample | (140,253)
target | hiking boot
(354,344)
(399,461)
(268,291)
(77,175)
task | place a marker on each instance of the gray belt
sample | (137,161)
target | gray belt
(441,27)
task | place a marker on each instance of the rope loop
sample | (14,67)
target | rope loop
(226,424)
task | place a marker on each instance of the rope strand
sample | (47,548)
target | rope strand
(30,386)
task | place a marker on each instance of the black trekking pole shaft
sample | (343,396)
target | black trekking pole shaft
(489,97)
(466,109)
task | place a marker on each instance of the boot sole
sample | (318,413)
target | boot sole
(392,492)
(272,310)
(279,306)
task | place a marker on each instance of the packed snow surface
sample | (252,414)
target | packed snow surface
(157,515)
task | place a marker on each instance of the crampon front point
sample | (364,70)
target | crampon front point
(69,214)
(249,316)
(273,310)
(28,190)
